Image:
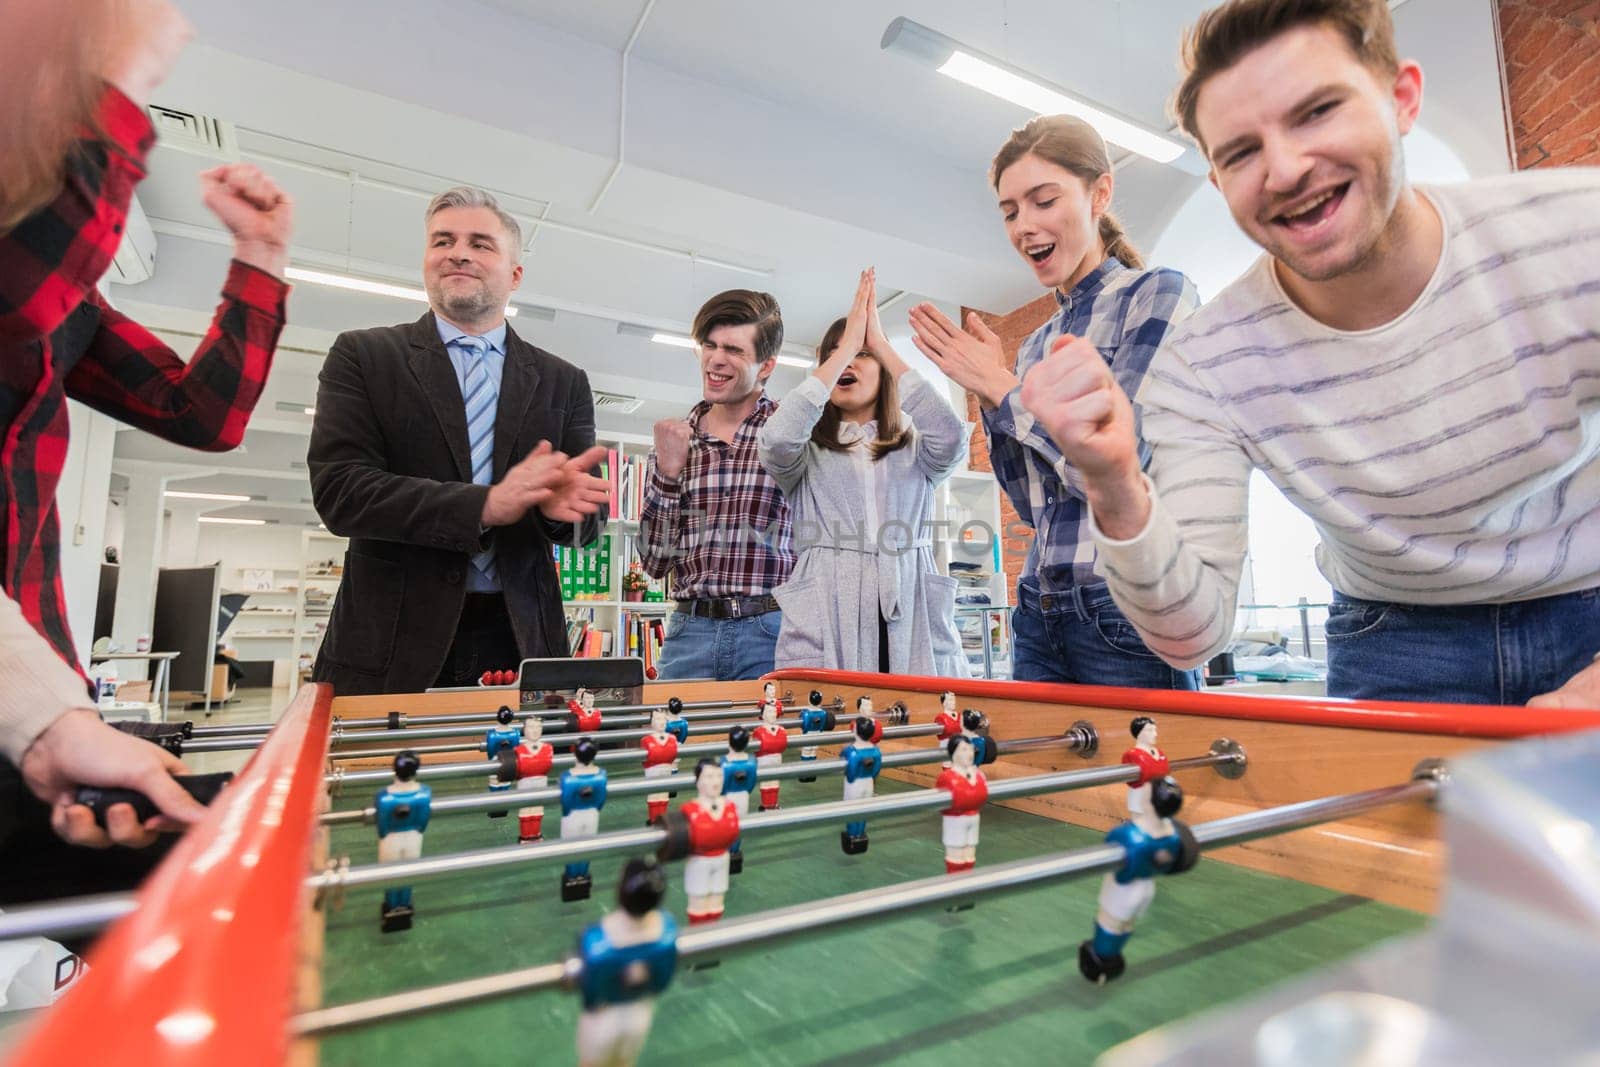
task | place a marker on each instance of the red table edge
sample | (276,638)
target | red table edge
(203,972)
(1463,720)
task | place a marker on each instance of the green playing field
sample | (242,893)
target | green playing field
(997,983)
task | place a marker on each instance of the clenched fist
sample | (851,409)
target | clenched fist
(258,214)
(672,446)
(1080,405)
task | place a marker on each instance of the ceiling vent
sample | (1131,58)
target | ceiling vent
(190,131)
(622,405)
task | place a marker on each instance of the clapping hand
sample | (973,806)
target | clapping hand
(973,358)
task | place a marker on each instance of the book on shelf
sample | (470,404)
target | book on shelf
(584,573)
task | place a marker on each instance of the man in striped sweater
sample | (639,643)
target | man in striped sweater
(1417,369)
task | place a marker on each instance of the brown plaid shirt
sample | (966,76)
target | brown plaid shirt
(722,529)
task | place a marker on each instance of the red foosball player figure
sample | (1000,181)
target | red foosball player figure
(703,830)
(769,695)
(582,718)
(660,761)
(1150,760)
(949,719)
(769,741)
(534,756)
(968,790)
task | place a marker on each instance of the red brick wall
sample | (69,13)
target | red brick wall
(1552,51)
(1013,330)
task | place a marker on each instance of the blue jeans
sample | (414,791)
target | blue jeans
(726,650)
(1082,637)
(1469,654)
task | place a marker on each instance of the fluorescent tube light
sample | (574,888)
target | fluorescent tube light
(674,340)
(222,520)
(230,497)
(970,67)
(368,285)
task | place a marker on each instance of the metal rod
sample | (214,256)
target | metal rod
(605,733)
(693,710)
(338,780)
(685,781)
(410,871)
(64,918)
(243,729)
(766,929)
(637,715)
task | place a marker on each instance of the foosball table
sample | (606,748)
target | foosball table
(921,870)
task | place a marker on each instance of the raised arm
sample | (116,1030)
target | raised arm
(1156,305)
(129,374)
(1171,544)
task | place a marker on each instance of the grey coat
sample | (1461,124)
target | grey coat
(863,537)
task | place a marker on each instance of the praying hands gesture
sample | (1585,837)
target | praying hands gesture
(972,358)
(863,332)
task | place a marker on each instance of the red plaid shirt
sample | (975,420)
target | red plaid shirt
(59,339)
(722,528)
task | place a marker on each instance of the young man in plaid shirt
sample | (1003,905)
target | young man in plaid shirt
(713,518)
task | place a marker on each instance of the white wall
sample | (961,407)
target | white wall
(82,502)
(238,547)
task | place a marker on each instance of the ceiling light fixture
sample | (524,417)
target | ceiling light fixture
(994,76)
(403,292)
(678,340)
(233,498)
(222,520)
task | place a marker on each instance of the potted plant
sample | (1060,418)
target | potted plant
(634,583)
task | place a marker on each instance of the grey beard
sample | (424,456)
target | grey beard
(468,307)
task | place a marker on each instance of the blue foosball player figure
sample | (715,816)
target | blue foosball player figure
(739,773)
(403,806)
(814,719)
(506,735)
(628,958)
(862,762)
(1154,843)
(975,728)
(583,794)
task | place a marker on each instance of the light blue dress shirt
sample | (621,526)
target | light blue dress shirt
(494,364)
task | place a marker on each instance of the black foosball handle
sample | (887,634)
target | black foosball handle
(203,787)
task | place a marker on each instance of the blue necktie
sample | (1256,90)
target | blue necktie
(482,402)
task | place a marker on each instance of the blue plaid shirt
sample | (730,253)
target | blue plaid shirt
(1127,314)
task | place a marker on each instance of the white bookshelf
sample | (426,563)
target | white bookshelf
(321,571)
(264,626)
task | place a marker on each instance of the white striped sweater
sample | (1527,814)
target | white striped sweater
(1447,457)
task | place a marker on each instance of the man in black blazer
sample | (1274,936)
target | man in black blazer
(453,454)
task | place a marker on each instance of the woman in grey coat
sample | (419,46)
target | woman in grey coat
(859,473)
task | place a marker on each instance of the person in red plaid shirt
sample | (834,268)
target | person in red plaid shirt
(90,67)
(713,517)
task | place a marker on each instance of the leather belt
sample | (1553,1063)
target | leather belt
(729,607)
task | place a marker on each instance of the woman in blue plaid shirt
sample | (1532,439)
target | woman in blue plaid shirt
(1054,182)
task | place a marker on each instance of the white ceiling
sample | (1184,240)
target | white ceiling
(773,137)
